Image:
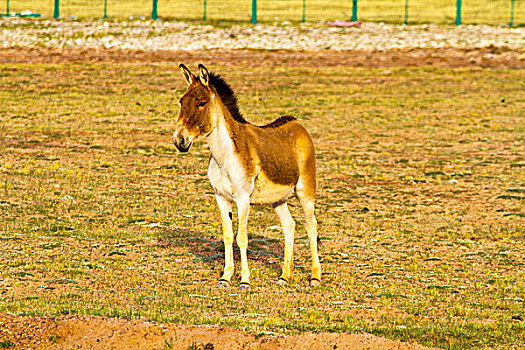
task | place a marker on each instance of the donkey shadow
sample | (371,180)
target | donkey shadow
(209,248)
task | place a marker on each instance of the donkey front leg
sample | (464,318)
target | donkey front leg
(225,207)
(243,208)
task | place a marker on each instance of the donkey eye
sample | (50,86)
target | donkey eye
(201,104)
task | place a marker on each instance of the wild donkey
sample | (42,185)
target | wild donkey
(249,164)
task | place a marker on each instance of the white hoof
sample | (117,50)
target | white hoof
(244,286)
(282,282)
(314,282)
(223,284)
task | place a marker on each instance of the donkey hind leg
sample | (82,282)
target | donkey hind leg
(243,209)
(307,202)
(288,227)
(225,207)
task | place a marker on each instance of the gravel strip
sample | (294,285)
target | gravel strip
(177,36)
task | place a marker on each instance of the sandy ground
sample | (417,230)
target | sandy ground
(93,332)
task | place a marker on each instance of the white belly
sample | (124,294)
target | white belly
(260,190)
(267,192)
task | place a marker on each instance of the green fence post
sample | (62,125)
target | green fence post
(154,10)
(254,11)
(406,12)
(204,12)
(105,9)
(56,13)
(354,10)
(511,23)
(304,11)
(7,9)
(458,12)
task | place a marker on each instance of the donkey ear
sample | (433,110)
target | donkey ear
(190,78)
(203,75)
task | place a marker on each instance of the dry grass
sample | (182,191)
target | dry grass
(420,201)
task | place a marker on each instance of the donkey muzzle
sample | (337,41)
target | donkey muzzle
(181,141)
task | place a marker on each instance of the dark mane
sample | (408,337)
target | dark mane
(227,96)
(279,121)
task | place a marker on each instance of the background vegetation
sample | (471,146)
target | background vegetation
(494,12)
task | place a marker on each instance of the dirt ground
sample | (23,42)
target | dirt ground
(486,57)
(93,332)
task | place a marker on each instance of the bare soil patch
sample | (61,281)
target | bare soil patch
(420,57)
(93,332)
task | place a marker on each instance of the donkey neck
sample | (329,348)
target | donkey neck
(220,140)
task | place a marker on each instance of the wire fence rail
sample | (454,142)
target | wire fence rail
(493,12)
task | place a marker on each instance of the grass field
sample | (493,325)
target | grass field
(494,12)
(420,201)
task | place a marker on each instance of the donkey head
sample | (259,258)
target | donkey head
(195,117)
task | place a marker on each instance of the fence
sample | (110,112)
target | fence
(493,12)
